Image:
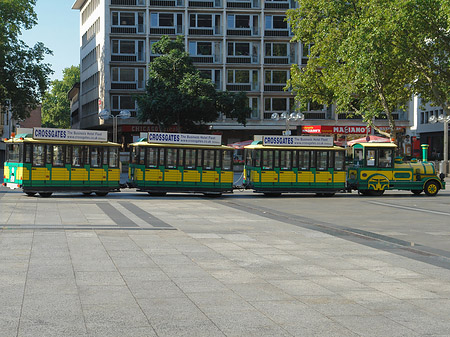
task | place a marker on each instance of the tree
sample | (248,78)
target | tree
(55,104)
(23,75)
(354,62)
(176,93)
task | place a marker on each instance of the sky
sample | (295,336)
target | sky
(58,28)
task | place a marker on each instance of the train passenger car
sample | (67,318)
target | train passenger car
(292,164)
(169,162)
(375,170)
(56,160)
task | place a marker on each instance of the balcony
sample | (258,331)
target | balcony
(123,58)
(202,59)
(274,87)
(164,31)
(315,115)
(276,60)
(277,33)
(128,2)
(239,59)
(239,87)
(124,85)
(243,32)
(167,3)
(127,29)
(201,31)
(201,4)
(276,5)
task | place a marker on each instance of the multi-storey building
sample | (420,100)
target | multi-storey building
(241,45)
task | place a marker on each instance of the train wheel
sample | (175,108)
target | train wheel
(364,192)
(30,194)
(45,194)
(416,192)
(329,194)
(212,194)
(431,188)
(272,194)
(101,194)
(376,193)
(87,193)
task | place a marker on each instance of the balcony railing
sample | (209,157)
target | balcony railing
(124,86)
(276,60)
(123,58)
(274,87)
(239,87)
(239,59)
(276,5)
(276,32)
(201,4)
(315,115)
(202,59)
(128,2)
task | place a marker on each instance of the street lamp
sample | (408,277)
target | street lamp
(445,120)
(288,117)
(105,115)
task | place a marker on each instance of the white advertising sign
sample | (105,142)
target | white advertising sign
(297,141)
(184,138)
(70,134)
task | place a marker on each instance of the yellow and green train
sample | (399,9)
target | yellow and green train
(375,170)
(45,166)
(158,168)
(276,169)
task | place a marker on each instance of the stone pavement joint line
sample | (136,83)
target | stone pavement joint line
(147,217)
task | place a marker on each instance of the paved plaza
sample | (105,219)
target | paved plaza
(185,265)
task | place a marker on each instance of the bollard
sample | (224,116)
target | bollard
(425,152)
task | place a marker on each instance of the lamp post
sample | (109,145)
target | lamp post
(288,117)
(105,115)
(445,120)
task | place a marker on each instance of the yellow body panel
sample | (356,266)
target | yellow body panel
(19,173)
(172,175)
(60,174)
(40,173)
(210,177)
(153,175)
(339,177)
(79,174)
(192,176)
(6,171)
(114,174)
(255,177)
(98,174)
(138,174)
(305,177)
(387,173)
(287,177)
(269,177)
(323,177)
(226,177)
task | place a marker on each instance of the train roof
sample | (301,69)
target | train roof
(143,142)
(27,138)
(257,145)
(374,144)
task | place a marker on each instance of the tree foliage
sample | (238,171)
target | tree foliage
(55,104)
(176,93)
(23,75)
(357,61)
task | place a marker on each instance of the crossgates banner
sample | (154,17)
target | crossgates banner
(70,134)
(184,138)
(297,141)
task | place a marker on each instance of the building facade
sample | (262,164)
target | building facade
(241,45)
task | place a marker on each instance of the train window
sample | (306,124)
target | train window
(199,157)
(218,155)
(385,158)
(322,160)
(371,156)
(303,160)
(113,157)
(133,154)
(14,153)
(28,153)
(248,157)
(208,159)
(161,156)
(77,156)
(86,156)
(105,155)
(294,158)
(58,155)
(152,157)
(190,158)
(258,158)
(180,157)
(48,157)
(285,160)
(267,160)
(141,156)
(227,160)
(339,160)
(277,158)
(312,160)
(171,158)
(95,157)
(358,157)
(38,155)
(68,156)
